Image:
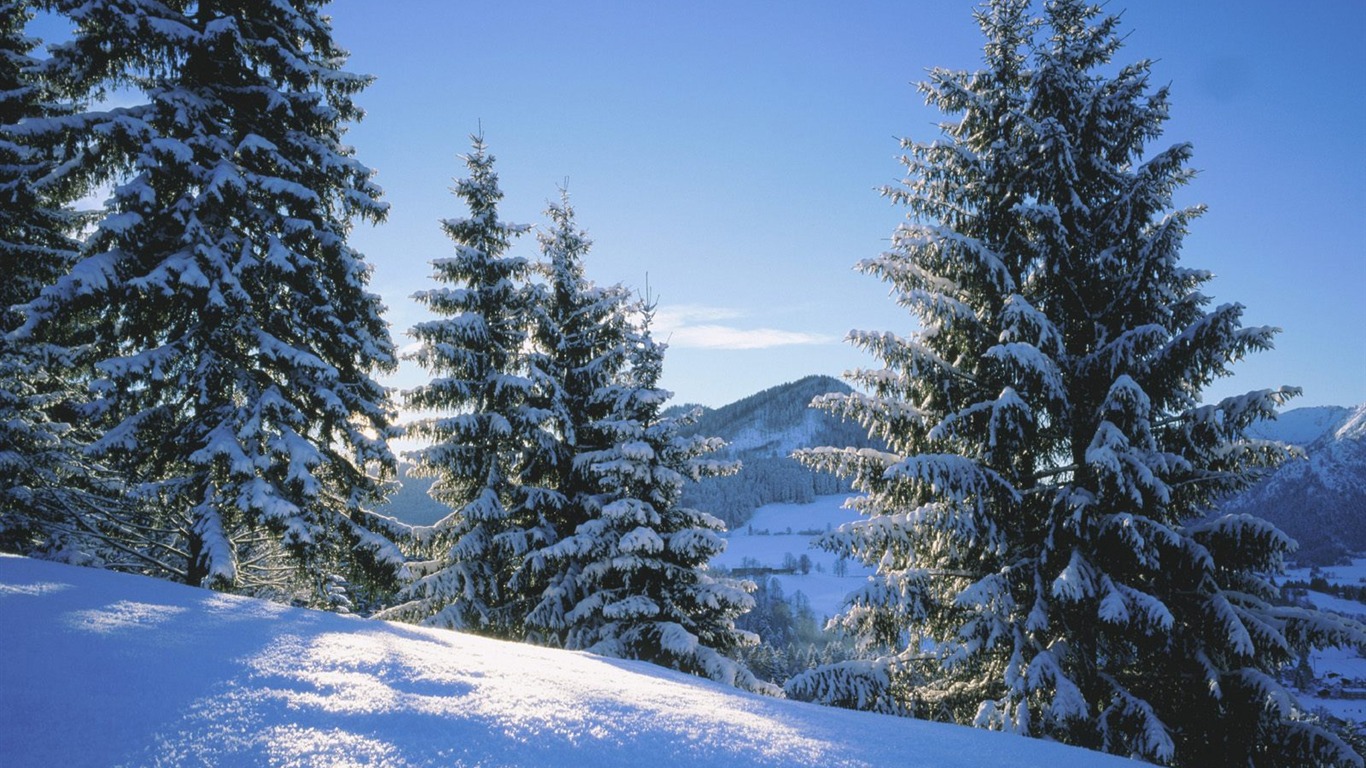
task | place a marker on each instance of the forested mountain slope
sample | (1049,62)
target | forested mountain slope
(762,431)
(1319,500)
(410,501)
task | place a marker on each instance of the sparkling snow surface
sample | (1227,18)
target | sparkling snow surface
(107,669)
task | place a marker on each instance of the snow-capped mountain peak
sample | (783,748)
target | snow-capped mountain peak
(1303,426)
(1354,426)
(1320,500)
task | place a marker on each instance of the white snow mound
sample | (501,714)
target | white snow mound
(105,669)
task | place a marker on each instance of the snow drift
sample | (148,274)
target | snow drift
(108,669)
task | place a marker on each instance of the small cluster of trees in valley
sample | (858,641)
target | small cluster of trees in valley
(188,389)
(792,640)
(1294,589)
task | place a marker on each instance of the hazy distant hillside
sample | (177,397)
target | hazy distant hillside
(1319,500)
(1303,426)
(762,431)
(775,422)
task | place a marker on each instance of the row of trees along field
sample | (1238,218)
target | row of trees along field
(188,391)
(189,373)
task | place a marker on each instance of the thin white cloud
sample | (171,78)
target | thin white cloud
(680,315)
(725,337)
(694,326)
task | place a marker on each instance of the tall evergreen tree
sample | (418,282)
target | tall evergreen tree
(44,477)
(582,334)
(35,227)
(488,449)
(236,337)
(1046,559)
(642,589)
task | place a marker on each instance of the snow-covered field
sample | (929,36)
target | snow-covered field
(105,669)
(1338,666)
(775,533)
(1346,575)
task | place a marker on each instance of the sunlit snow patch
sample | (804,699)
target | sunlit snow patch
(124,614)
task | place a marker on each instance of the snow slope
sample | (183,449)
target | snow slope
(104,669)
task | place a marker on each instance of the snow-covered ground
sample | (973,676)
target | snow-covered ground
(1326,602)
(1339,666)
(1336,667)
(779,530)
(1346,575)
(105,669)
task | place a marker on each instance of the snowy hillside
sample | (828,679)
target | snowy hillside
(106,669)
(777,421)
(410,502)
(1302,426)
(1319,500)
(761,431)
(780,532)
(1340,684)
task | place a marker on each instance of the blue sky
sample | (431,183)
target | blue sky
(730,151)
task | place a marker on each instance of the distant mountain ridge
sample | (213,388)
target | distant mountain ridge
(410,502)
(1303,426)
(762,431)
(1319,500)
(779,420)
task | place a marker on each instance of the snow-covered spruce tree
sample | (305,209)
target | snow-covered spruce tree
(35,247)
(236,339)
(1046,559)
(641,586)
(44,477)
(582,333)
(492,443)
